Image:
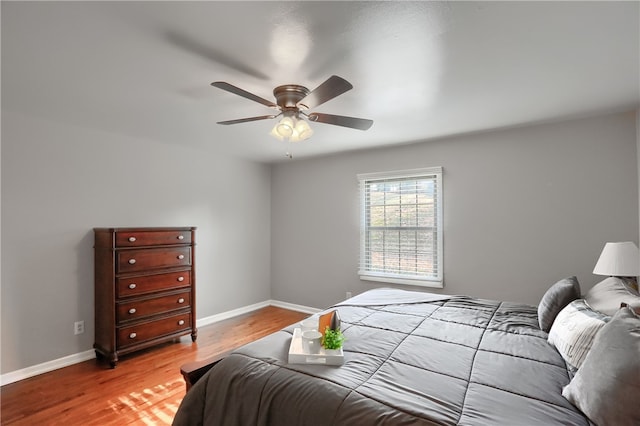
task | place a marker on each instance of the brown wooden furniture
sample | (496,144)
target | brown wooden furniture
(193,371)
(144,288)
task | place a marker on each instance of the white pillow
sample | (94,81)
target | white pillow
(606,296)
(573,331)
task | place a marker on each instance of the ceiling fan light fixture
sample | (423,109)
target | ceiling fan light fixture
(275,134)
(285,127)
(292,129)
(303,130)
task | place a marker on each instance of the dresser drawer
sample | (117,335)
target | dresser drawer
(144,259)
(133,286)
(143,332)
(152,306)
(151,238)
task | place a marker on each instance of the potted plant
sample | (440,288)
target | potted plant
(332,339)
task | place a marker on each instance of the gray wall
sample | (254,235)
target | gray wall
(523,208)
(59,181)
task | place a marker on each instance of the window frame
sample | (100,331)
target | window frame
(435,281)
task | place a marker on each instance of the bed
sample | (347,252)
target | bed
(411,358)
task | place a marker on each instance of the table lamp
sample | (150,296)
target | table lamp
(621,260)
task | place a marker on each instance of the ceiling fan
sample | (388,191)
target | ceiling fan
(293,101)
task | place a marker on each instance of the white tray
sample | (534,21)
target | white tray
(297,355)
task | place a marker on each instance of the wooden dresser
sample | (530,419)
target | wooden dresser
(144,288)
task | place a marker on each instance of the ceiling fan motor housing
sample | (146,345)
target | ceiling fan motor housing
(288,96)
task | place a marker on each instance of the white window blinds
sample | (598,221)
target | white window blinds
(401,227)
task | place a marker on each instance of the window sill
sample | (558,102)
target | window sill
(404,281)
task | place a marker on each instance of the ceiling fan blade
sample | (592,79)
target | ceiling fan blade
(332,87)
(246,120)
(341,120)
(205,50)
(240,92)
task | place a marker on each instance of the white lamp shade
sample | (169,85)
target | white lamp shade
(619,260)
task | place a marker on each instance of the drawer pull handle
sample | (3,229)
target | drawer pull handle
(132,286)
(132,261)
(181,237)
(132,239)
(181,322)
(180,279)
(181,300)
(132,310)
(181,256)
(133,336)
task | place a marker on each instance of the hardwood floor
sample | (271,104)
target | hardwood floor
(144,389)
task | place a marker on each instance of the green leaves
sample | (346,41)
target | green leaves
(332,339)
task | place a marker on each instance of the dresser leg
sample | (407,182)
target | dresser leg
(112,358)
(113,361)
(194,335)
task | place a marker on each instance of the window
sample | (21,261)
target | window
(401,227)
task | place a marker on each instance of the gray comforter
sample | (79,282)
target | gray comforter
(417,360)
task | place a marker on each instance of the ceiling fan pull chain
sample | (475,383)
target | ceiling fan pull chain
(289,154)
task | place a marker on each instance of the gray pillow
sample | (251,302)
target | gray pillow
(607,386)
(555,299)
(608,294)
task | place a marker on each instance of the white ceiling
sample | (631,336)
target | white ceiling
(420,70)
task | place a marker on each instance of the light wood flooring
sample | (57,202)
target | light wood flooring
(144,389)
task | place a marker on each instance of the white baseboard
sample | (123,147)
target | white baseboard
(68,360)
(45,367)
(250,308)
(230,314)
(294,307)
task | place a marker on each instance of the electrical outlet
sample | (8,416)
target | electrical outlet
(78,327)
(348,295)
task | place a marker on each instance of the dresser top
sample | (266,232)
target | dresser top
(147,229)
